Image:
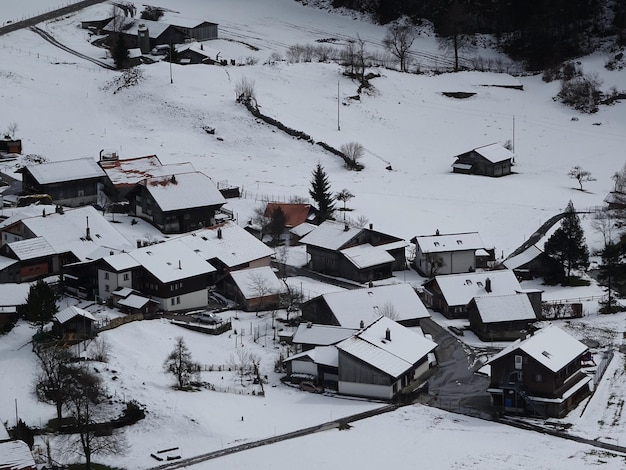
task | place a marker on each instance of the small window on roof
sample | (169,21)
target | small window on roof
(479,283)
(148,252)
(436,243)
(547,354)
(468,282)
(369,292)
(459,242)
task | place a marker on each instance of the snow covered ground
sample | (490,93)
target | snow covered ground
(66,108)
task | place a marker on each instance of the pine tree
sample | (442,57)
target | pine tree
(612,273)
(40,303)
(119,51)
(321,193)
(567,244)
(277,223)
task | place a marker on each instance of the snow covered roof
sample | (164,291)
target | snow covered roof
(171,261)
(184,191)
(522,258)
(134,301)
(499,308)
(235,247)
(550,346)
(494,152)
(5,262)
(31,248)
(130,27)
(70,312)
(615,197)
(68,232)
(400,301)
(254,280)
(121,262)
(323,355)
(303,229)
(131,171)
(185,22)
(459,289)
(15,455)
(4,434)
(321,335)
(393,356)
(123,292)
(449,242)
(330,235)
(366,256)
(14,294)
(66,170)
(15,214)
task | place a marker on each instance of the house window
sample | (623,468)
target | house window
(106,288)
(173,301)
(178,300)
(538,378)
(81,192)
(126,276)
(518,362)
(106,275)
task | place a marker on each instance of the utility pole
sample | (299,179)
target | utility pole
(338,128)
(171,78)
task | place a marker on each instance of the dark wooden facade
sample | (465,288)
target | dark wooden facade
(474,163)
(76,328)
(72,193)
(8,145)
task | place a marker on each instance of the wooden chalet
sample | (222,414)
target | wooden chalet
(9,145)
(176,203)
(254,289)
(500,317)
(69,183)
(540,375)
(489,160)
(358,254)
(73,323)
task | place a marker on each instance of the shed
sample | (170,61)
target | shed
(73,322)
(488,160)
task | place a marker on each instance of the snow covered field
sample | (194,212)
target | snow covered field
(66,108)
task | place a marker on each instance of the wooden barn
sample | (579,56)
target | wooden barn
(489,160)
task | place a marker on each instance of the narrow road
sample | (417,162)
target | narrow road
(9,28)
(184,463)
(48,37)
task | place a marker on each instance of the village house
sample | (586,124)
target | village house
(12,295)
(489,160)
(530,263)
(309,335)
(143,34)
(131,302)
(176,203)
(446,253)
(73,323)
(15,455)
(124,174)
(451,294)
(500,317)
(69,183)
(540,375)
(354,308)
(169,273)
(254,289)
(295,214)
(10,145)
(358,254)
(381,361)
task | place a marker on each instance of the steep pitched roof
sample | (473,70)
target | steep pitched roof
(70,312)
(228,242)
(459,289)
(31,248)
(321,335)
(500,308)
(550,346)
(495,153)
(295,214)
(15,455)
(393,356)
(131,171)
(367,256)
(350,307)
(449,242)
(330,235)
(66,170)
(522,258)
(252,281)
(323,355)
(184,191)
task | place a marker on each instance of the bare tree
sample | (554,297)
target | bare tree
(100,350)
(452,38)
(344,196)
(86,408)
(118,19)
(244,90)
(54,381)
(434,263)
(261,288)
(579,174)
(242,362)
(353,151)
(12,129)
(180,364)
(291,299)
(389,310)
(361,221)
(399,39)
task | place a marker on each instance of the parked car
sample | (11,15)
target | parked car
(307,386)
(208,318)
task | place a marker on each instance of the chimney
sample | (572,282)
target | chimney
(488,285)
(180,265)
(346,227)
(87,230)
(219,233)
(371,226)
(138,243)
(362,324)
(388,334)
(309,324)
(43,213)
(437,232)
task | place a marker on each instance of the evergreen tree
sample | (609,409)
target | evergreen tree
(40,303)
(567,244)
(612,273)
(321,193)
(119,51)
(277,223)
